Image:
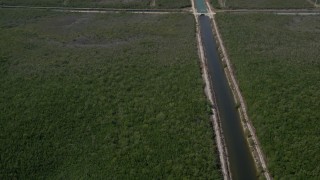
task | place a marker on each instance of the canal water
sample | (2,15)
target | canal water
(201,6)
(241,162)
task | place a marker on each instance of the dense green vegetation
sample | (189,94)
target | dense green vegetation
(102,96)
(101,3)
(277,63)
(264,3)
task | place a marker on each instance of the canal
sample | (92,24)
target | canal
(242,166)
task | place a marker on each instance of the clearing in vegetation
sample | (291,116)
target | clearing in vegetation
(276,60)
(101,3)
(102,95)
(263,4)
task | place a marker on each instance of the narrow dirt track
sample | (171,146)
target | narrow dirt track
(162,11)
(101,10)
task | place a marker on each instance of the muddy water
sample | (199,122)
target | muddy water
(240,158)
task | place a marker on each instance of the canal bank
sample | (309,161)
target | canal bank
(235,151)
(216,124)
(239,156)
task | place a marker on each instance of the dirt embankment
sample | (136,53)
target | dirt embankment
(245,121)
(223,155)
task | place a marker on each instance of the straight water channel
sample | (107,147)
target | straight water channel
(241,162)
